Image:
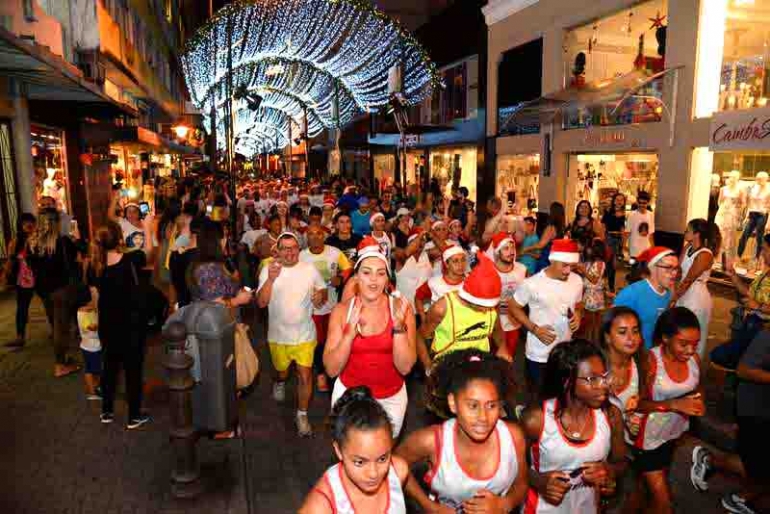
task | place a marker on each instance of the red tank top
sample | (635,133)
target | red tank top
(371,364)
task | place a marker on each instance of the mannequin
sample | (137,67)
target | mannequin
(716,182)
(758,199)
(732,201)
(51,187)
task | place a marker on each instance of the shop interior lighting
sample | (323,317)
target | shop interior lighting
(331,56)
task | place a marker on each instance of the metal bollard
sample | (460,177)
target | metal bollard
(185,476)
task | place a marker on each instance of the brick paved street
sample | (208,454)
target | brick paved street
(58,458)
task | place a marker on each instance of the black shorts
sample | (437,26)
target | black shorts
(753,448)
(647,461)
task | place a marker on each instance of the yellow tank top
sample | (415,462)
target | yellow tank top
(462,328)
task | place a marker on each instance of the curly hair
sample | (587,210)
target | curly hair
(456,370)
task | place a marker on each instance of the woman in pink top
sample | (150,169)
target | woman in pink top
(371,340)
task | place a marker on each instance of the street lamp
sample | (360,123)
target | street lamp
(181,130)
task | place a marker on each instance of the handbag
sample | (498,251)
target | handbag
(246,361)
(76,288)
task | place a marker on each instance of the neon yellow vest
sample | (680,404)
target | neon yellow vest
(462,328)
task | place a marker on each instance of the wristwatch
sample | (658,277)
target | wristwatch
(399,330)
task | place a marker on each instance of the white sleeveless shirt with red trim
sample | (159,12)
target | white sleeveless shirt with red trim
(554,452)
(340,501)
(659,428)
(628,396)
(452,484)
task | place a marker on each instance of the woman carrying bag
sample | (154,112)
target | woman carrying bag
(58,281)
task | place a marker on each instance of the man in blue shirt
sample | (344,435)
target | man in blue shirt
(360,217)
(651,296)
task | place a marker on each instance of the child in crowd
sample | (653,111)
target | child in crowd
(529,259)
(91,347)
(592,270)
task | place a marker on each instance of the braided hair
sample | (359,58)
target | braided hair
(357,409)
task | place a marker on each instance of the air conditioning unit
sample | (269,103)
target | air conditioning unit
(91,65)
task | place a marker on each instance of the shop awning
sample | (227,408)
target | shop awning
(616,91)
(103,134)
(48,76)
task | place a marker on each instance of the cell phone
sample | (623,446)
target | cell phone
(209,209)
(144,208)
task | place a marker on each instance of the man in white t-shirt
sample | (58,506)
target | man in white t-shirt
(290,290)
(641,227)
(512,275)
(378,222)
(554,297)
(334,268)
(454,265)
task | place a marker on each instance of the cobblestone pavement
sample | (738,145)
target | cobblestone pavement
(58,458)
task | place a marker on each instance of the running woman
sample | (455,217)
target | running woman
(368,478)
(672,394)
(366,347)
(576,436)
(477,460)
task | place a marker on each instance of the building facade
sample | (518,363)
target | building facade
(90,91)
(658,96)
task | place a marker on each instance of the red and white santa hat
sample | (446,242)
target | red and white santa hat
(483,285)
(436,224)
(368,243)
(374,217)
(499,240)
(455,222)
(451,250)
(564,250)
(652,255)
(369,247)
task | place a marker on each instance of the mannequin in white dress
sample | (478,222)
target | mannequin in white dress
(758,205)
(732,201)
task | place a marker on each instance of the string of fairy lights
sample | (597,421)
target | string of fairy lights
(327,58)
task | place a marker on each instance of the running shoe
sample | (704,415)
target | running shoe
(137,422)
(519,410)
(107,417)
(279,391)
(303,426)
(701,465)
(93,397)
(734,503)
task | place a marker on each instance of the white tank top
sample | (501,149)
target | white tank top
(341,500)
(554,452)
(412,275)
(628,398)
(660,427)
(439,287)
(452,484)
(698,292)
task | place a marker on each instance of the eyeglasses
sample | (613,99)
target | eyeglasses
(597,381)
(667,269)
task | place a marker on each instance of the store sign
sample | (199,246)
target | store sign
(619,138)
(740,130)
(410,140)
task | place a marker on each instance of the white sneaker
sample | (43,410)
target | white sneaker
(279,391)
(303,426)
(701,465)
(734,503)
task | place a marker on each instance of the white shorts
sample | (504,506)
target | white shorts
(394,405)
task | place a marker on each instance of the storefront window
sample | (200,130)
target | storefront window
(384,168)
(49,164)
(600,54)
(455,167)
(597,178)
(519,174)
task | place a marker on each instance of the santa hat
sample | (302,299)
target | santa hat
(374,218)
(328,202)
(414,234)
(652,255)
(564,250)
(457,222)
(483,285)
(450,251)
(437,224)
(368,243)
(501,239)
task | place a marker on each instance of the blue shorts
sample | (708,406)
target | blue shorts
(93,362)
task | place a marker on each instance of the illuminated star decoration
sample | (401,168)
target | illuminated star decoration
(657,21)
(327,58)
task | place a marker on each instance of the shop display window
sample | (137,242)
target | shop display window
(519,174)
(452,167)
(597,178)
(49,164)
(602,53)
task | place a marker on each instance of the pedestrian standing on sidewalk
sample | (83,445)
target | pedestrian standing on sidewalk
(18,273)
(575,435)
(368,477)
(53,259)
(122,320)
(672,394)
(703,241)
(366,347)
(753,410)
(290,290)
